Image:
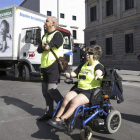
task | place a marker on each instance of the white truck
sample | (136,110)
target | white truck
(20,33)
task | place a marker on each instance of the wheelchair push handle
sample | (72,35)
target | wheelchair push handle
(117,68)
(105,80)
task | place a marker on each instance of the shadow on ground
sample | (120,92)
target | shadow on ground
(23,105)
(130,117)
(130,74)
(44,131)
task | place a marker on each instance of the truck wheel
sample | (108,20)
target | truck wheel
(2,73)
(25,73)
(113,121)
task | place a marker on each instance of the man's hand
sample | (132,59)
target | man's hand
(46,47)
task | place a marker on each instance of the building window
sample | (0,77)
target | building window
(129,43)
(109,7)
(129,4)
(73,17)
(49,13)
(62,15)
(93,15)
(74,34)
(92,42)
(109,46)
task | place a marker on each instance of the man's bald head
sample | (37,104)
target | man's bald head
(51,23)
(54,20)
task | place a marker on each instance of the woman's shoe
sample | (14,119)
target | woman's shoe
(58,124)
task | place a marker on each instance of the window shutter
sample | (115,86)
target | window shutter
(109,46)
(92,43)
(129,43)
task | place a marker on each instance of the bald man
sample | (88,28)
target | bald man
(49,67)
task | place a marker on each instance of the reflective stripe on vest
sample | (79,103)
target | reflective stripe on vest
(47,57)
(89,73)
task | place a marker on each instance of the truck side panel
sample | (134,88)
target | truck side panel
(25,19)
(6,33)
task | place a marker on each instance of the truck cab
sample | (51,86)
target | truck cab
(29,59)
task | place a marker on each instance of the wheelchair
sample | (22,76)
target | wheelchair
(98,112)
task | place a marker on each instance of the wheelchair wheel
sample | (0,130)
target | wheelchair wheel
(113,121)
(86,134)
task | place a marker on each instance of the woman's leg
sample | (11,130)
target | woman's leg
(69,96)
(80,99)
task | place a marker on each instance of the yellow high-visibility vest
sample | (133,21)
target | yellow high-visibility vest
(47,57)
(89,81)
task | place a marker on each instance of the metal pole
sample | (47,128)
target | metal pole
(58,13)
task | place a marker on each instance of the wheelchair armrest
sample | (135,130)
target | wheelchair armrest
(105,80)
(68,81)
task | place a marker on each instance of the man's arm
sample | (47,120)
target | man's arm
(40,48)
(56,41)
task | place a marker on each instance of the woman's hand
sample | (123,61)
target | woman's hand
(73,74)
(67,74)
(98,73)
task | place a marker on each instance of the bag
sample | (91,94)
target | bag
(62,63)
(114,84)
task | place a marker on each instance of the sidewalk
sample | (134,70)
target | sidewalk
(130,77)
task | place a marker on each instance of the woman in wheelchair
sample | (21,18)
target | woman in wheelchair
(87,75)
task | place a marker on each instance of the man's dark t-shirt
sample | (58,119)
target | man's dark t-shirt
(51,74)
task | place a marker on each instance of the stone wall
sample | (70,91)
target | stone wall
(116,26)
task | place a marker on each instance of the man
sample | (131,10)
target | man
(49,67)
(83,55)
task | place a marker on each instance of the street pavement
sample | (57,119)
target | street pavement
(21,103)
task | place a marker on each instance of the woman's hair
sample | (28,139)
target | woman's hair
(96,49)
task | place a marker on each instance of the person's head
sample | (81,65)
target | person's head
(84,49)
(4,27)
(51,23)
(94,52)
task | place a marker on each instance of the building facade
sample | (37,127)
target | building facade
(70,14)
(115,26)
